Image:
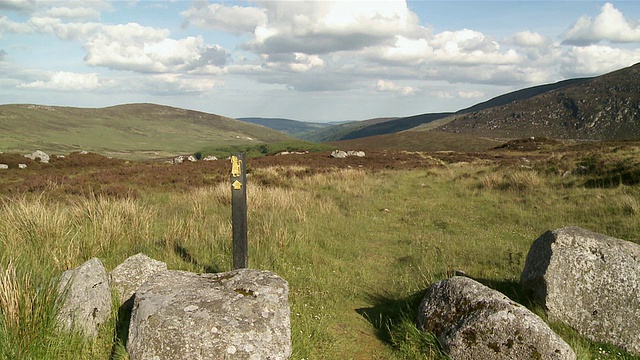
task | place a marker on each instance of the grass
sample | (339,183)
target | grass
(255,150)
(134,131)
(357,247)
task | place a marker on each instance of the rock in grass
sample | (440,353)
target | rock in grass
(242,314)
(39,155)
(338,154)
(588,281)
(473,321)
(86,298)
(127,277)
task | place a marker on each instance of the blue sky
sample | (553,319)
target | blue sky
(305,60)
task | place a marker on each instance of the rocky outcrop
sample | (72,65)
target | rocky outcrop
(473,321)
(38,154)
(86,298)
(127,277)
(588,281)
(339,154)
(241,314)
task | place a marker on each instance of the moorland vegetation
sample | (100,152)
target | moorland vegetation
(358,240)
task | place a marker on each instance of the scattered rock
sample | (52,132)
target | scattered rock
(192,158)
(84,152)
(356,153)
(127,277)
(338,154)
(178,159)
(242,314)
(38,154)
(86,298)
(292,153)
(588,281)
(22,166)
(473,321)
(4,166)
(210,158)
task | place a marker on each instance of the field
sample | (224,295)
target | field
(358,239)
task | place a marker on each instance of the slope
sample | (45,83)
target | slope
(294,128)
(601,108)
(127,131)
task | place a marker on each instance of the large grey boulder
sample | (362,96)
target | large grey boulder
(127,277)
(86,298)
(242,314)
(338,154)
(588,281)
(473,321)
(39,154)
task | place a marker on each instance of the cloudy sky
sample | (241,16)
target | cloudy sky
(305,60)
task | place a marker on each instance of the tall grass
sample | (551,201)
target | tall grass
(357,248)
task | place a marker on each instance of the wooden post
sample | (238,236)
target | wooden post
(239,211)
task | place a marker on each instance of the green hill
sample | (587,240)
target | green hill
(134,131)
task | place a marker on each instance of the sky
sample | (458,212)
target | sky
(305,60)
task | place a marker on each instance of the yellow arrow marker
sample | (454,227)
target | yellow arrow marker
(237,185)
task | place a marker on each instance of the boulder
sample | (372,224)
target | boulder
(38,154)
(588,281)
(356,153)
(473,321)
(4,166)
(240,314)
(127,277)
(86,298)
(338,154)
(22,166)
(210,158)
(192,158)
(178,159)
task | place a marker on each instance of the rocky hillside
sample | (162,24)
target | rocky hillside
(602,108)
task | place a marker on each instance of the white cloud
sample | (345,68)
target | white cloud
(144,49)
(390,86)
(73,12)
(25,6)
(9,26)
(65,31)
(172,84)
(595,60)
(464,47)
(66,81)
(232,19)
(527,39)
(320,27)
(470,94)
(609,25)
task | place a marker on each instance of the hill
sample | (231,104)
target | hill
(600,108)
(127,131)
(343,131)
(360,129)
(295,128)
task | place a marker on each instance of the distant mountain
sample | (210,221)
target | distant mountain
(396,125)
(127,131)
(294,128)
(606,107)
(340,131)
